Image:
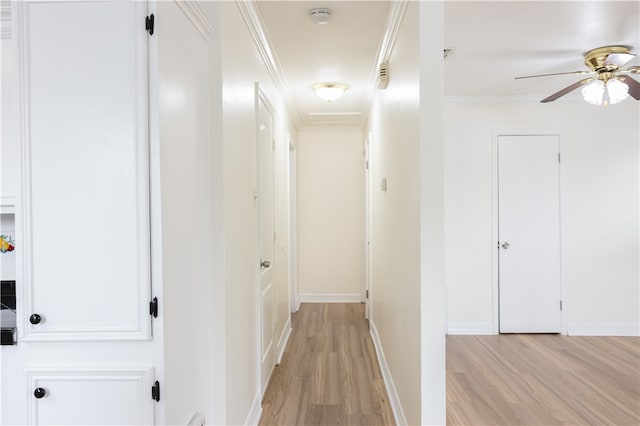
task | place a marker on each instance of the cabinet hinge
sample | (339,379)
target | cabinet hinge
(153,307)
(149,23)
(155,391)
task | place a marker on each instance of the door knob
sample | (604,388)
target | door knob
(505,245)
(35,319)
(265,263)
(39,393)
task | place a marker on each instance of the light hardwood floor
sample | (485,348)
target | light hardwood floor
(543,380)
(329,373)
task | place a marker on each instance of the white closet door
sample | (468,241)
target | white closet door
(85,170)
(529,233)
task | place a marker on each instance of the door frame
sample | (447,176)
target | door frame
(367,227)
(495,256)
(293,226)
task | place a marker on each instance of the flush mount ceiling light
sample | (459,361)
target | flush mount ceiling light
(610,70)
(329,91)
(320,15)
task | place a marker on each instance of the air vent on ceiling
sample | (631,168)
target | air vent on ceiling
(383,75)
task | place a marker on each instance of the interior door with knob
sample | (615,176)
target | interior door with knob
(266,237)
(529,234)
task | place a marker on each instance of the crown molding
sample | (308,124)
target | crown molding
(392,24)
(6,25)
(199,20)
(256,27)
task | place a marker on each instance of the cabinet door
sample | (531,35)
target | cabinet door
(84,145)
(85,397)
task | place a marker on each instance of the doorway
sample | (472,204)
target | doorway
(528,233)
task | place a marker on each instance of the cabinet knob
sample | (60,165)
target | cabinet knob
(35,319)
(39,393)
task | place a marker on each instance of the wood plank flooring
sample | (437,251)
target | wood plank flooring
(329,373)
(543,380)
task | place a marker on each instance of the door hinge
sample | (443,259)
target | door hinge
(366,294)
(153,307)
(561,305)
(155,391)
(149,23)
(366,164)
(558,157)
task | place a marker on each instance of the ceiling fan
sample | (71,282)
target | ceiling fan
(609,82)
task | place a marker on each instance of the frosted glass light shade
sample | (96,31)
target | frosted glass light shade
(594,92)
(599,93)
(617,90)
(329,92)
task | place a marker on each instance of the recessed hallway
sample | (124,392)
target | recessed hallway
(329,373)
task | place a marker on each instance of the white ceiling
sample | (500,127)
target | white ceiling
(494,42)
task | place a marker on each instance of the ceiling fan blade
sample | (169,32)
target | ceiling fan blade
(632,70)
(634,86)
(619,59)
(557,73)
(566,90)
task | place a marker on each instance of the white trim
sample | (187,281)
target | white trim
(329,298)
(253,417)
(603,329)
(7,205)
(255,25)
(284,339)
(6,24)
(394,398)
(392,24)
(197,18)
(495,134)
(470,328)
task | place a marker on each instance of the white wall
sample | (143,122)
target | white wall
(330,214)
(599,209)
(242,67)
(395,317)
(190,145)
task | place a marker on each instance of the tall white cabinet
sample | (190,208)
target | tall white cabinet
(102,119)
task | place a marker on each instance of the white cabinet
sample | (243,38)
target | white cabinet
(86,397)
(85,353)
(85,174)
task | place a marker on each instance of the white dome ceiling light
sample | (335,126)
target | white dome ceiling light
(320,15)
(329,92)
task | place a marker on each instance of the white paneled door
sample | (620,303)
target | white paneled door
(529,234)
(266,237)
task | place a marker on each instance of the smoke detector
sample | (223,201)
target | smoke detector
(320,15)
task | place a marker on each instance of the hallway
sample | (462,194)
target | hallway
(329,373)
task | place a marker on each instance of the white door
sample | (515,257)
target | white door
(83,217)
(266,238)
(529,234)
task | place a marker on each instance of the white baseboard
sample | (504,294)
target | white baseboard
(253,418)
(603,329)
(470,328)
(329,298)
(394,398)
(284,338)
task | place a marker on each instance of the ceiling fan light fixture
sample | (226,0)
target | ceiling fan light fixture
(593,92)
(618,91)
(329,92)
